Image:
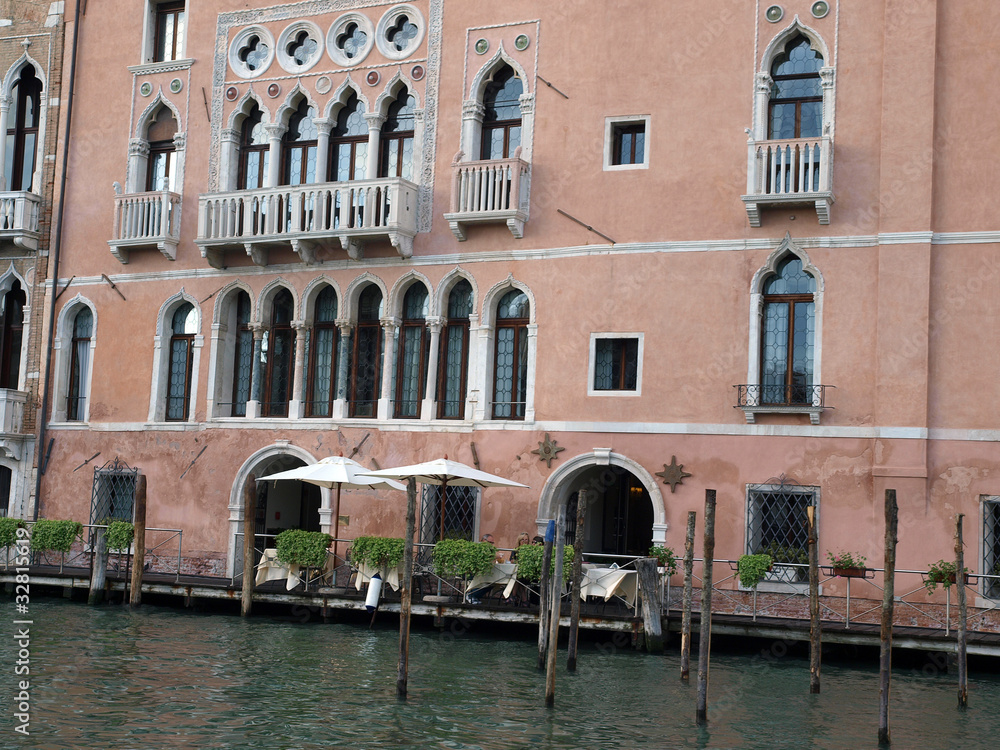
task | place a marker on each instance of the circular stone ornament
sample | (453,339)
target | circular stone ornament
(146,88)
(373,77)
(273,90)
(231,93)
(482,46)
(521,42)
(820,9)
(323,85)
(774,13)
(417,73)
(176,85)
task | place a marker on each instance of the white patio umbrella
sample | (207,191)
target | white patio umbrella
(340,473)
(444,472)
(440,472)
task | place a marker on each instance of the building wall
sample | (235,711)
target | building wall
(31,34)
(906,268)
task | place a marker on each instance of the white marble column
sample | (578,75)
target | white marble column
(296,405)
(430,392)
(375,121)
(275,132)
(323,127)
(389,328)
(256,373)
(4,110)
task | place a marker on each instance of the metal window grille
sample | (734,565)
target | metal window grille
(991,545)
(461,514)
(777,525)
(114,492)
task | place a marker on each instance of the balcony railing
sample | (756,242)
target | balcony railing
(781,399)
(19,213)
(12,411)
(789,172)
(305,216)
(492,191)
(145,221)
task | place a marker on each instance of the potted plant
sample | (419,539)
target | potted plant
(377,552)
(664,558)
(462,558)
(305,548)
(782,555)
(120,535)
(8,530)
(942,572)
(847,564)
(529,562)
(54,536)
(752,569)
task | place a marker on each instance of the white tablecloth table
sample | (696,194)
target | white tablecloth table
(367,572)
(270,569)
(502,574)
(608,582)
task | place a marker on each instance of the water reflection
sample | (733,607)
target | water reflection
(108,678)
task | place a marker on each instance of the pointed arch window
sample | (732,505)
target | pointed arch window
(79,388)
(502,120)
(277,354)
(396,145)
(349,143)
(510,375)
(162,166)
(21,142)
(795,109)
(366,353)
(411,371)
(253,160)
(242,355)
(788,332)
(12,317)
(324,344)
(184,326)
(299,146)
(454,357)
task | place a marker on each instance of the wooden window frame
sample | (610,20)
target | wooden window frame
(790,300)
(269,408)
(20,132)
(164,11)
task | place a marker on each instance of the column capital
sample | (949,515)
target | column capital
(275,130)
(375,120)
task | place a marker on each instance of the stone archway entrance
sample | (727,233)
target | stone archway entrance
(278,505)
(625,510)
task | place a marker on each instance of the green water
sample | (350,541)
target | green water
(159,678)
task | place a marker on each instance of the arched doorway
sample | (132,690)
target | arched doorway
(625,509)
(277,505)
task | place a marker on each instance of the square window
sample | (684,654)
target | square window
(626,142)
(615,364)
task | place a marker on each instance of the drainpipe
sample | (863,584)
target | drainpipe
(56,246)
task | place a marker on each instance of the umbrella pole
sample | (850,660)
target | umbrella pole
(444,496)
(336,528)
(406,589)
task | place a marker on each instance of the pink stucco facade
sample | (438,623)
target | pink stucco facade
(674,252)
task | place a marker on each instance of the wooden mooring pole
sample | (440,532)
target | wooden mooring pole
(686,601)
(139,540)
(815,628)
(98,566)
(543,595)
(574,610)
(406,589)
(652,606)
(705,627)
(888,599)
(249,525)
(556,605)
(962,646)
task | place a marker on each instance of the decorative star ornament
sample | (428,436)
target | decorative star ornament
(547,450)
(673,474)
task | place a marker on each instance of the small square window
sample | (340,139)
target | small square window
(615,364)
(626,143)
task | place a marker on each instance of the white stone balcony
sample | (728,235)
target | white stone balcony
(146,221)
(793,172)
(19,214)
(307,218)
(489,192)
(12,411)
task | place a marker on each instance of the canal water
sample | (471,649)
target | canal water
(108,678)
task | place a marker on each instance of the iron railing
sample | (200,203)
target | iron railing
(751,395)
